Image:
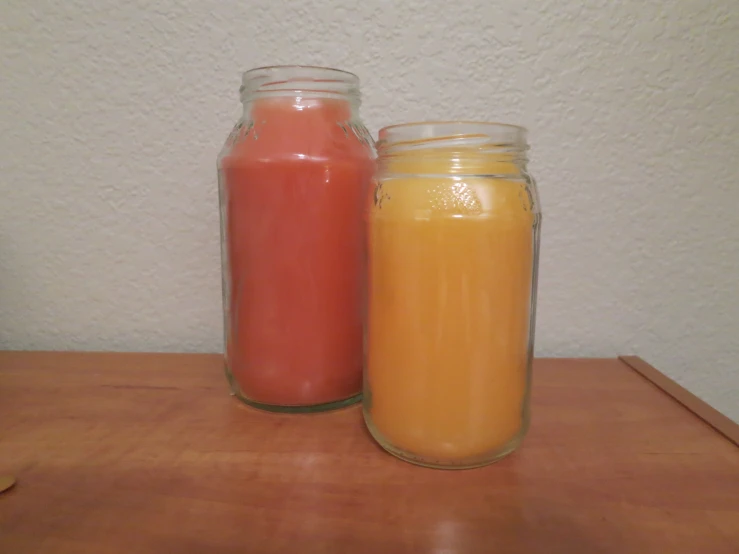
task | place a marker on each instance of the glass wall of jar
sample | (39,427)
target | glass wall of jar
(453,256)
(294,177)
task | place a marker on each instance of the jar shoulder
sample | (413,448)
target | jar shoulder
(463,196)
(297,137)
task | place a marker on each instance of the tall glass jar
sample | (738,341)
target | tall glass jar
(453,256)
(293,179)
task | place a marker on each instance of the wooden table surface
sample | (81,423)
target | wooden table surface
(147,453)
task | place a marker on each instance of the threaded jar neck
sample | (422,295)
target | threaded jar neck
(300,81)
(453,147)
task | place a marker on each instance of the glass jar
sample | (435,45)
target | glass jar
(453,256)
(294,179)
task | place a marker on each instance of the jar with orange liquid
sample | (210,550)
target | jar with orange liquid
(294,176)
(453,235)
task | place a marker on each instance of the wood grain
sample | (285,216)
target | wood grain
(147,453)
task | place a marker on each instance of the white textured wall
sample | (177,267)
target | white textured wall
(112,114)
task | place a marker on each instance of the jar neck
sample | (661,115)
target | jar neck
(453,148)
(300,89)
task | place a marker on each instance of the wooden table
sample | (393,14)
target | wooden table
(147,453)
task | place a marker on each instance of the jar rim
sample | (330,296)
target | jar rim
(310,68)
(460,132)
(453,122)
(281,80)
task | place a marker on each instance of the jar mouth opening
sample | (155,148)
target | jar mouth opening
(298,80)
(450,136)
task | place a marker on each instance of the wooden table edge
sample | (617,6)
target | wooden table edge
(718,421)
(721,423)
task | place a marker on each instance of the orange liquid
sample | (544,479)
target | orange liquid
(295,187)
(451,263)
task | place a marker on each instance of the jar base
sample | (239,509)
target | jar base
(288,409)
(466,463)
(325,407)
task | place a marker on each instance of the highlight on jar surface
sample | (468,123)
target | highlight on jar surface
(294,176)
(453,256)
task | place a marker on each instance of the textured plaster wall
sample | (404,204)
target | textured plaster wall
(112,113)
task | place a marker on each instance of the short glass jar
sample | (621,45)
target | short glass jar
(453,257)
(294,178)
